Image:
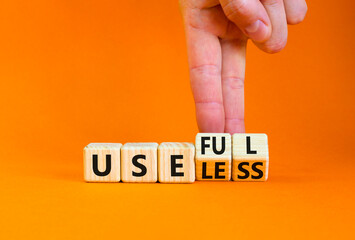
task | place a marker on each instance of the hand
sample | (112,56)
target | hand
(217,32)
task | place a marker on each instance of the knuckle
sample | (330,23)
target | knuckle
(207,70)
(233,82)
(205,84)
(232,8)
(271,3)
(210,104)
(235,120)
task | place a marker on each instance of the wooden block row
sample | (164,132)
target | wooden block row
(218,157)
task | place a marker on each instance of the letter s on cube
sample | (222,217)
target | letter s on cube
(250,157)
(139,162)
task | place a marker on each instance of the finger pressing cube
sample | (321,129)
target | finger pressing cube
(213,156)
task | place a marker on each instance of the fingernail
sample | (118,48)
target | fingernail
(257,31)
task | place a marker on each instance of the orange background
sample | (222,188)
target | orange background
(75,72)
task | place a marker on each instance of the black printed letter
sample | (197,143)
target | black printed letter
(95,166)
(218,170)
(203,144)
(255,169)
(139,165)
(175,165)
(214,145)
(246,172)
(249,151)
(204,171)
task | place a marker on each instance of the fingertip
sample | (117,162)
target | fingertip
(297,17)
(274,46)
(235,126)
(210,117)
(295,11)
(250,16)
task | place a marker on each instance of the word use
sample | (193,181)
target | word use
(215,156)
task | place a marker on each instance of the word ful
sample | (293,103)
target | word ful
(215,157)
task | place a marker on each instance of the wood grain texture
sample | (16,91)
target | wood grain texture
(99,152)
(176,162)
(129,151)
(250,160)
(213,156)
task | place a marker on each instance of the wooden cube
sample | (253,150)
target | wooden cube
(250,157)
(139,162)
(176,162)
(102,162)
(213,156)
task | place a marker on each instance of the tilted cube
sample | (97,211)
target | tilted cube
(250,157)
(213,156)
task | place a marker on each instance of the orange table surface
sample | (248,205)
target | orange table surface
(75,72)
(51,201)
